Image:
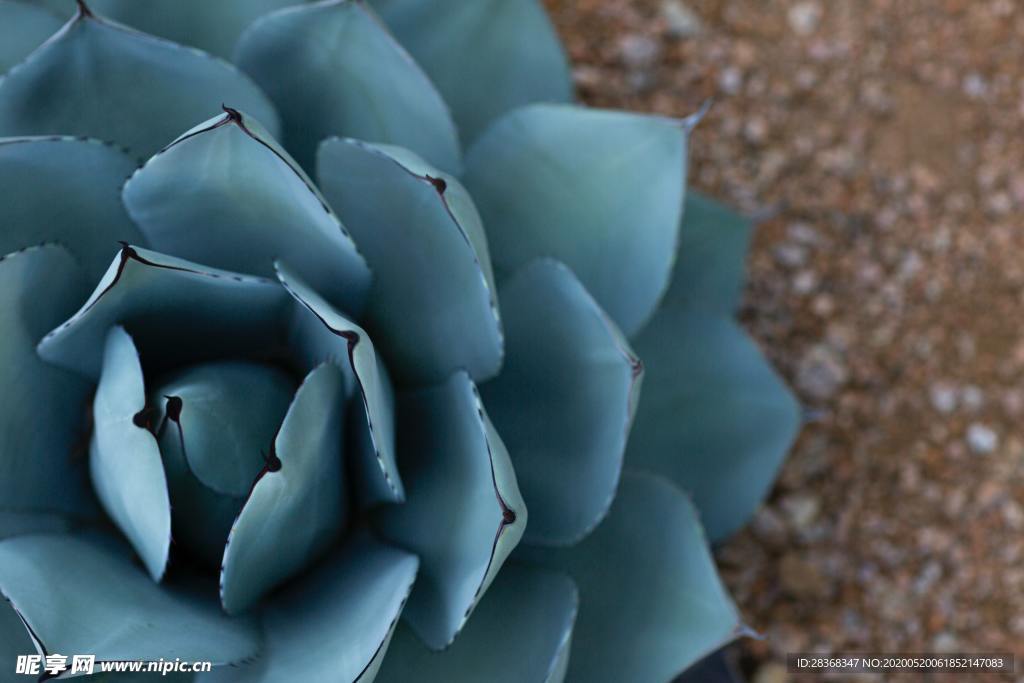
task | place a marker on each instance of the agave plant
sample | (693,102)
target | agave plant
(254,418)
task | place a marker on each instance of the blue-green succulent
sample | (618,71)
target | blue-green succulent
(324,327)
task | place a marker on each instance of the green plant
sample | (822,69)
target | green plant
(286,380)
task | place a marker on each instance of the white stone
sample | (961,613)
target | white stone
(804,17)
(981,439)
(681,20)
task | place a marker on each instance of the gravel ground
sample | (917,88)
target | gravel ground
(880,140)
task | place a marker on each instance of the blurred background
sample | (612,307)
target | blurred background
(879,142)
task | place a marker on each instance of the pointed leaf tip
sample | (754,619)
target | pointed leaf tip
(564,400)
(365,86)
(298,509)
(646,569)
(463,514)
(226,194)
(505,70)
(432,307)
(601,191)
(103,80)
(714,417)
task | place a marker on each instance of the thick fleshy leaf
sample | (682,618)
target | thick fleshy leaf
(432,308)
(357,81)
(175,310)
(43,450)
(65,190)
(710,266)
(210,26)
(14,639)
(463,515)
(124,458)
(336,623)
(520,632)
(14,523)
(227,413)
(81,594)
(319,333)
(227,195)
(201,518)
(25,27)
(599,190)
(516,57)
(297,506)
(714,416)
(651,603)
(103,80)
(216,423)
(564,400)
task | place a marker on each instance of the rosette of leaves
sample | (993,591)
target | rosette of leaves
(277,278)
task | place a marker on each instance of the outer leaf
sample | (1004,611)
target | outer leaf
(714,417)
(14,639)
(65,189)
(26,27)
(124,458)
(224,419)
(65,9)
(520,632)
(320,333)
(709,271)
(43,421)
(175,310)
(651,603)
(601,191)
(564,401)
(516,58)
(296,508)
(13,523)
(464,514)
(104,80)
(227,195)
(356,81)
(337,622)
(109,608)
(210,26)
(432,306)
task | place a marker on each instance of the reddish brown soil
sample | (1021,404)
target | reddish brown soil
(883,137)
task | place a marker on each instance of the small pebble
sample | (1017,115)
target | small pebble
(803,233)
(730,80)
(981,439)
(805,282)
(975,86)
(945,642)
(943,397)
(682,22)
(821,373)
(804,17)
(791,255)
(972,397)
(639,51)
(801,510)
